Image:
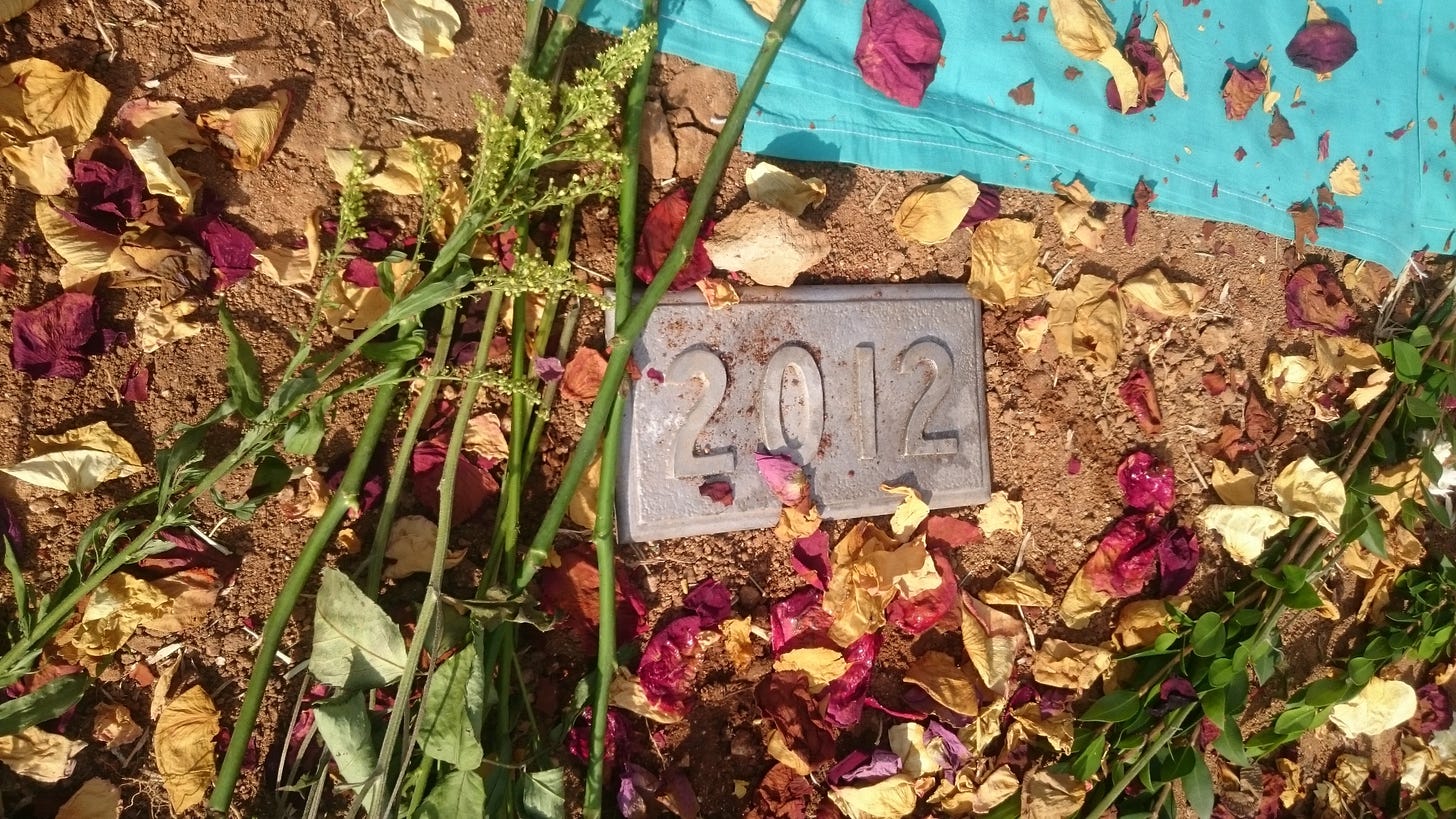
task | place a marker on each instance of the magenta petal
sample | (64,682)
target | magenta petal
(578,739)
(1177,560)
(810,558)
(955,753)
(230,248)
(57,338)
(659,234)
(898,50)
(1125,559)
(134,388)
(1147,484)
(710,601)
(986,207)
(1433,710)
(845,697)
(864,767)
(1321,46)
(10,528)
(784,477)
(549,369)
(799,620)
(473,482)
(188,551)
(668,670)
(361,272)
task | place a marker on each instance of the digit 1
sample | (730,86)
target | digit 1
(690,366)
(792,359)
(864,390)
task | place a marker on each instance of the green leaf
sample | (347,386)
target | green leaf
(344,726)
(1296,720)
(1360,670)
(395,351)
(1446,797)
(453,708)
(244,375)
(1326,692)
(1407,360)
(305,431)
(355,644)
(1303,598)
(1115,707)
(1230,743)
(1421,337)
(497,605)
(269,477)
(1208,635)
(44,703)
(1198,788)
(1088,762)
(1373,539)
(459,794)
(1420,406)
(543,794)
(1174,763)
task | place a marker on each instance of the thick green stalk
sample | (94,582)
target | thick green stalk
(561,28)
(313,549)
(636,319)
(548,393)
(424,402)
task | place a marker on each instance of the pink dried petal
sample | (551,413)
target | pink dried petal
(784,477)
(134,388)
(710,601)
(1314,300)
(917,614)
(898,50)
(1147,483)
(659,233)
(58,338)
(1125,558)
(810,559)
(945,532)
(1142,399)
(986,207)
(474,483)
(1147,66)
(844,699)
(799,621)
(669,666)
(1177,560)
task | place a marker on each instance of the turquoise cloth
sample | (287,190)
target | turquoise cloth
(816,107)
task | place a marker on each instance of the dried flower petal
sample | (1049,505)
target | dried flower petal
(1147,484)
(898,50)
(1314,300)
(58,338)
(1322,45)
(1138,393)
(659,233)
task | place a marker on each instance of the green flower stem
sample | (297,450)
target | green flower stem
(605,542)
(272,636)
(631,170)
(636,319)
(1171,728)
(549,392)
(429,608)
(389,507)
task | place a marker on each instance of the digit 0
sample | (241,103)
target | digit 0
(794,364)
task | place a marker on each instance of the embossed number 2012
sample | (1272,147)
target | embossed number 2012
(794,363)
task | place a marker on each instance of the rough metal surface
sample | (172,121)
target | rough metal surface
(862,384)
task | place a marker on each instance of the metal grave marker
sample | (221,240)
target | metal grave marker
(861,384)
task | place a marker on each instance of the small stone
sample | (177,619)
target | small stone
(894,260)
(706,92)
(658,154)
(1216,338)
(693,146)
(766,244)
(749,595)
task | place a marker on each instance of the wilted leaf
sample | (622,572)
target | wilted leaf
(77,460)
(1313,300)
(1345,178)
(718,293)
(120,604)
(1020,588)
(427,26)
(158,325)
(1030,333)
(249,134)
(1380,706)
(784,700)
(39,98)
(822,665)
(1155,296)
(1083,601)
(992,640)
(1003,264)
(1306,491)
(1048,795)
(1080,229)
(945,682)
(1000,514)
(890,798)
(776,187)
(1287,378)
(162,120)
(1245,529)
(932,212)
(113,726)
(1140,622)
(1234,488)
(583,376)
(898,50)
(411,547)
(95,799)
(79,244)
(1061,664)
(40,755)
(183,747)
(38,167)
(1172,65)
(1084,29)
(355,644)
(911,512)
(1087,322)
(161,175)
